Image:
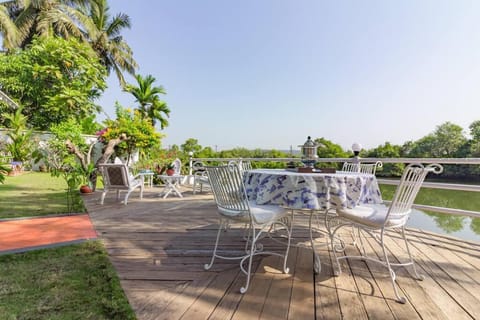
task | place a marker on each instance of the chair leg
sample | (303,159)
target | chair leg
(289,232)
(317,266)
(126,197)
(418,276)
(102,198)
(214,255)
(399,299)
(250,259)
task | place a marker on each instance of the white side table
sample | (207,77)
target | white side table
(171,185)
(147,176)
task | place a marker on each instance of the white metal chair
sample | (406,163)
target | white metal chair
(233,206)
(200,177)
(177,167)
(370,168)
(118,177)
(361,167)
(350,167)
(245,165)
(378,221)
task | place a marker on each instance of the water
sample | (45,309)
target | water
(456,226)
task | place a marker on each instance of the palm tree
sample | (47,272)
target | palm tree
(8,29)
(148,98)
(44,18)
(104,35)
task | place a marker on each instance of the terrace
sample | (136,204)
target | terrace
(159,246)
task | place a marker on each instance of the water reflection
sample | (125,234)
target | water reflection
(458,226)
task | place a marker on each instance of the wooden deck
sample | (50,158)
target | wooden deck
(159,247)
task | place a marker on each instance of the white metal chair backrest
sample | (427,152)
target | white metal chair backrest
(370,168)
(406,192)
(115,175)
(177,166)
(228,190)
(350,167)
(245,165)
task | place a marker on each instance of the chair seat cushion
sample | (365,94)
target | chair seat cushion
(201,179)
(373,216)
(260,213)
(266,213)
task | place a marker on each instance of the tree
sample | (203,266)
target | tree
(147,96)
(387,150)
(191,145)
(43,18)
(449,138)
(475,130)
(21,145)
(104,35)
(54,79)
(138,133)
(8,29)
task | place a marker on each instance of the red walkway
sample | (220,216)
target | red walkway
(27,234)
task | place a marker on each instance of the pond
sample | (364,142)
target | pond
(462,227)
(457,226)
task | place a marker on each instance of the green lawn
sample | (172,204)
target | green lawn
(35,194)
(70,282)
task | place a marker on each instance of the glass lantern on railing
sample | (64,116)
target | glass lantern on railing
(309,153)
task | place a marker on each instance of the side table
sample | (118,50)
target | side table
(147,176)
(171,185)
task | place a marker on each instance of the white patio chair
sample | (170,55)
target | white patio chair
(233,206)
(118,177)
(350,167)
(245,165)
(378,221)
(370,168)
(177,167)
(200,177)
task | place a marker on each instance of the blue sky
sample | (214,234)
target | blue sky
(268,73)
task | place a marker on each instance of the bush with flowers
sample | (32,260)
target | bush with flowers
(139,132)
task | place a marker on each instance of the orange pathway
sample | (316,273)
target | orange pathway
(27,234)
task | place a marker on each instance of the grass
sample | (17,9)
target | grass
(69,282)
(35,194)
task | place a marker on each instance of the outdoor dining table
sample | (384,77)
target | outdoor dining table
(318,192)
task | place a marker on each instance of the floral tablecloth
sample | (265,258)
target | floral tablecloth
(319,191)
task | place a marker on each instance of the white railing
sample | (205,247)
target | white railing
(433,185)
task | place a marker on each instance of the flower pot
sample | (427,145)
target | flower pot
(170,172)
(85,189)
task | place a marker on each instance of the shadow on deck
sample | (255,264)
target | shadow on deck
(159,247)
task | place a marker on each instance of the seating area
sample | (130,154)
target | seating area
(230,250)
(160,253)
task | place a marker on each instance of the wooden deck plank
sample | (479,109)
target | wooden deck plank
(432,285)
(327,305)
(302,303)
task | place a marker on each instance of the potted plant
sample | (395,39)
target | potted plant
(170,169)
(86,172)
